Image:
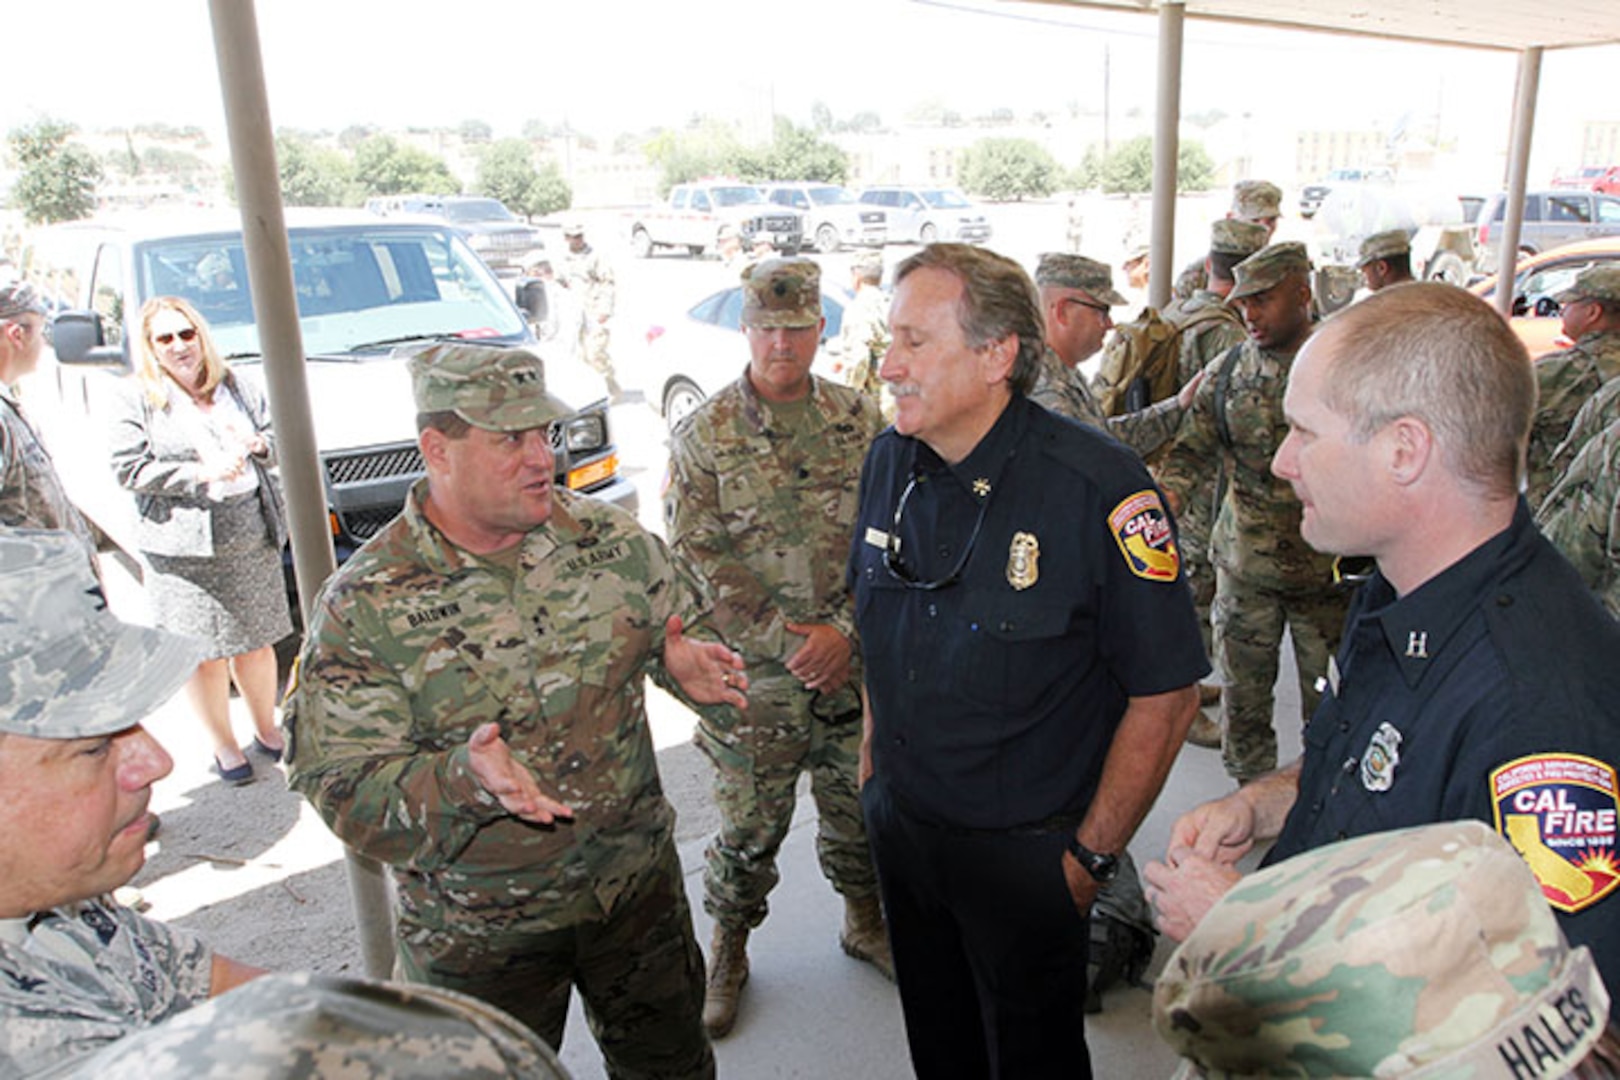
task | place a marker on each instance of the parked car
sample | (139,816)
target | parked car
(364,285)
(1311,196)
(698,352)
(500,237)
(832,215)
(923,215)
(1551,218)
(694,214)
(1536,316)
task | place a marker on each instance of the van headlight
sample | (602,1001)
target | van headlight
(583,434)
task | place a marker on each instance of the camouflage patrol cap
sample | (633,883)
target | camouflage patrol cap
(69,669)
(762,240)
(1594,283)
(1065,271)
(781,292)
(494,389)
(727,232)
(1424,951)
(1256,200)
(869,265)
(20,298)
(1230,236)
(1268,267)
(303,1024)
(1384,245)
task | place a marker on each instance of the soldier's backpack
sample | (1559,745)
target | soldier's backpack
(1142,362)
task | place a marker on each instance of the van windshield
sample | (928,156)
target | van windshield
(353,286)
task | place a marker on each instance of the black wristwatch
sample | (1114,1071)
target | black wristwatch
(1102,868)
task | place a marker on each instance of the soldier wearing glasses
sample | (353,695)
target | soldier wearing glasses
(1031,655)
(761,499)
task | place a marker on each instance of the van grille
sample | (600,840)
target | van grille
(375,465)
(364,524)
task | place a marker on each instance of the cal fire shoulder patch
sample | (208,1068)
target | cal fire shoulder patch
(1559,811)
(1141,527)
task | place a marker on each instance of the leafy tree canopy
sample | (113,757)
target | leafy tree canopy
(56,179)
(1004,169)
(383,166)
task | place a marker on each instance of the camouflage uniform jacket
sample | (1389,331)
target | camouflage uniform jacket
(415,643)
(588,274)
(1194,278)
(54,1009)
(1564,381)
(1600,410)
(863,339)
(1063,390)
(766,515)
(1582,515)
(1207,335)
(1257,534)
(31,494)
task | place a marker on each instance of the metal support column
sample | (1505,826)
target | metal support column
(275,306)
(1166,153)
(1524,122)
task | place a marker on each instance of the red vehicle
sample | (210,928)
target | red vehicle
(1600,178)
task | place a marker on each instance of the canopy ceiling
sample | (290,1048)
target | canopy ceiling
(1492,24)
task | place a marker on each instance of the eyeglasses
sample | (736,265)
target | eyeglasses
(1101,309)
(904,574)
(188,334)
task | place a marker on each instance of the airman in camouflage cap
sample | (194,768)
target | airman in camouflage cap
(1231,236)
(494,389)
(1095,279)
(1384,245)
(1425,950)
(298,1025)
(1594,283)
(1268,267)
(71,669)
(20,298)
(1258,201)
(782,293)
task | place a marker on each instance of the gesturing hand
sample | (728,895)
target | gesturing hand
(509,780)
(709,672)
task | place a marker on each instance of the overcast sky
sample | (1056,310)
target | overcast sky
(608,66)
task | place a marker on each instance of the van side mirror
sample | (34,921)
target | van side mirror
(77,340)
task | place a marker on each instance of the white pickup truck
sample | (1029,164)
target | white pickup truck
(694,214)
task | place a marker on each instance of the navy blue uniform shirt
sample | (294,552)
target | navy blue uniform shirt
(995,698)
(1492,691)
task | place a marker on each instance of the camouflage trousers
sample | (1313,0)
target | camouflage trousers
(757,757)
(638,969)
(594,338)
(1249,620)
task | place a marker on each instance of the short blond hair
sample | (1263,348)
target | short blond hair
(1443,356)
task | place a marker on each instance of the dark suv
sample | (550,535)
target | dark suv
(500,237)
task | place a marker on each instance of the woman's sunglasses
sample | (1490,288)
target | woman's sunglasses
(188,334)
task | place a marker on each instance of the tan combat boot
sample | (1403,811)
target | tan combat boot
(1205,730)
(864,936)
(728,971)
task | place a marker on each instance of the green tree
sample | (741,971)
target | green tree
(1005,169)
(1129,168)
(802,154)
(506,172)
(56,179)
(384,167)
(550,192)
(312,175)
(476,131)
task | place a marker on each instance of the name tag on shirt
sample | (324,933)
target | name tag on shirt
(878,538)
